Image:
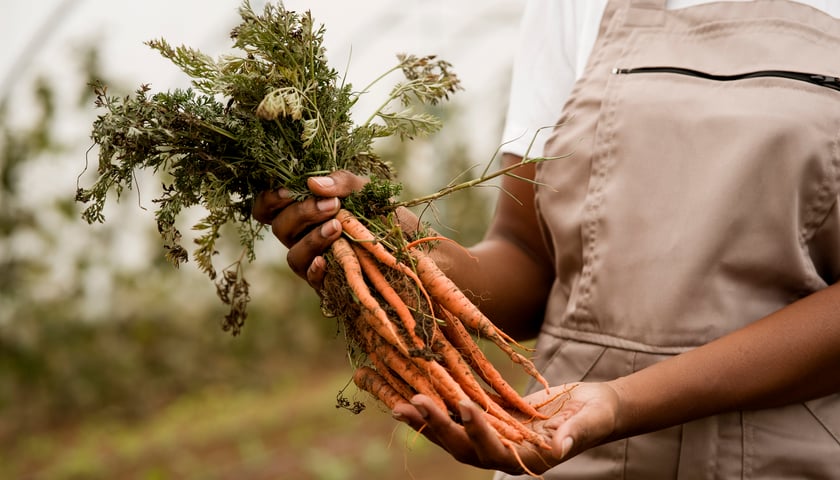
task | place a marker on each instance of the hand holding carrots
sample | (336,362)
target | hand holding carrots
(307,228)
(410,328)
(581,416)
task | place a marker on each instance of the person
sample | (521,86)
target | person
(679,267)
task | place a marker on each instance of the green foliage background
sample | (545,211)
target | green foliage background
(125,372)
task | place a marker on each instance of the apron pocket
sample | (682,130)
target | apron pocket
(565,361)
(793,442)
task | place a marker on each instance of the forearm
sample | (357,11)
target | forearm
(508,274)
(790,356)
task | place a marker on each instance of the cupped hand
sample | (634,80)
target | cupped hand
(581,416)
(308,227)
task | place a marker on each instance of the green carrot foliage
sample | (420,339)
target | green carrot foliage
(269,115)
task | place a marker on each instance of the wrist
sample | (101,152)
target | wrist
(641,406)
(623,411)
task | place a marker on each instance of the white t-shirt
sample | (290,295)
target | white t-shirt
(556,37)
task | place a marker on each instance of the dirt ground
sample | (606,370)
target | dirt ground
(292,431)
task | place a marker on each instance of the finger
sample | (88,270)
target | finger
(268,203)
(563,444)
(337,184)
(299,218)
(492,453)
(440,429)
(316,272)
(302,254)
(485,439)
(414,417)
(578,432)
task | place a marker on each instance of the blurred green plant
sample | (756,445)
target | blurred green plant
(58,360)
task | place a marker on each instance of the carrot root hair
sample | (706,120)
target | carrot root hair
(416,328)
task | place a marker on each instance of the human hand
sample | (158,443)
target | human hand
(308,227)
(581,416)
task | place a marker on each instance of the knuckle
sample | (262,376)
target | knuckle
(267,205)
(281,233)
(350,181)
(295,264)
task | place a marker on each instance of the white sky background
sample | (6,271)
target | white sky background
(43,38)
(477,36)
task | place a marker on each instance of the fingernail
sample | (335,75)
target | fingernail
(316,264)
(398,416)
(566,446)
(466,413)
(421,410)
(323,182)
(329,228)
(327,204)
(284,193)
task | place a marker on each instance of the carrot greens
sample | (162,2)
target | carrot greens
(271,114)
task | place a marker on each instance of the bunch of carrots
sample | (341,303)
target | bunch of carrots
(416,331)
(270,117)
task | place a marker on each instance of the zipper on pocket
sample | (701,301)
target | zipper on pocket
(812,78)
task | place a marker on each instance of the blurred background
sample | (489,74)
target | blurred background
(112,363)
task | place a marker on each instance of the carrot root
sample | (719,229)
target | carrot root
(437,358)
(380,283)
(444,291)
(460,339)
(372,382)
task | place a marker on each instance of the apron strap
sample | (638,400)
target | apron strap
(652,4)
(645,13)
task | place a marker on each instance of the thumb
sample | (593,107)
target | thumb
(566,445)
(579,432)
(340,183)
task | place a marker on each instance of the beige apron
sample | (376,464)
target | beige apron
(696,200)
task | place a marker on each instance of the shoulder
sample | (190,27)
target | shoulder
(831,7)
(565,27)
(555,39)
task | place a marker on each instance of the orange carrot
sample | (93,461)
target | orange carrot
(444,291)
(402,366)
(461,340)
(370,347)
(405,390)
(399,372)
(431,379)
(344,255)
(370,381)
(460,372)
(435,238)
(452,394)
(381,285)
(508,433)
(362,236)
(503,429)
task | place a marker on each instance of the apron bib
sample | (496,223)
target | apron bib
(700,195)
